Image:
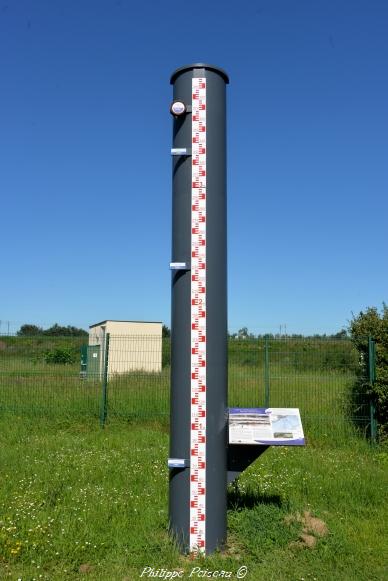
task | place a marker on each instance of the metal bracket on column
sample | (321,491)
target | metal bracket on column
(179,266)
(240,456)
(178,463)
(181,151)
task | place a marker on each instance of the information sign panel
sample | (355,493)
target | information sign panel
(266,426)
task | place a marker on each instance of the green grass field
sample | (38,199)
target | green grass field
(78,501)
(81,502)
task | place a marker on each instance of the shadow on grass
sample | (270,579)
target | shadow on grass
(238,500)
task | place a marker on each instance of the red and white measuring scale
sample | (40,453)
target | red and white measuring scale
(198,320)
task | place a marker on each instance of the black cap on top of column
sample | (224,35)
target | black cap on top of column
(213,68)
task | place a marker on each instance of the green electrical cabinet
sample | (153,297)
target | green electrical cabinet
(91,362)
(94,362)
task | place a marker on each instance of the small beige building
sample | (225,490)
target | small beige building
(133,346)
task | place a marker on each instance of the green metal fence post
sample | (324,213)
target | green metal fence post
(104,400)
(266,371)
(372,379)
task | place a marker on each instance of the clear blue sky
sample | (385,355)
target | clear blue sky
(85,168)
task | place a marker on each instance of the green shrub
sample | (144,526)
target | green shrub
(374,324)
(60,355)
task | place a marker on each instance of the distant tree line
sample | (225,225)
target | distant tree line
(29,330)
(244,333)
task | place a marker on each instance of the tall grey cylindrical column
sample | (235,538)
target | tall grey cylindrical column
(184,455)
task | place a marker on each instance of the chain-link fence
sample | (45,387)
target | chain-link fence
(41,375)
(320,376)
(129,377)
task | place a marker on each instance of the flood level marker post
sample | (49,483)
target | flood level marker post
(198,440)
